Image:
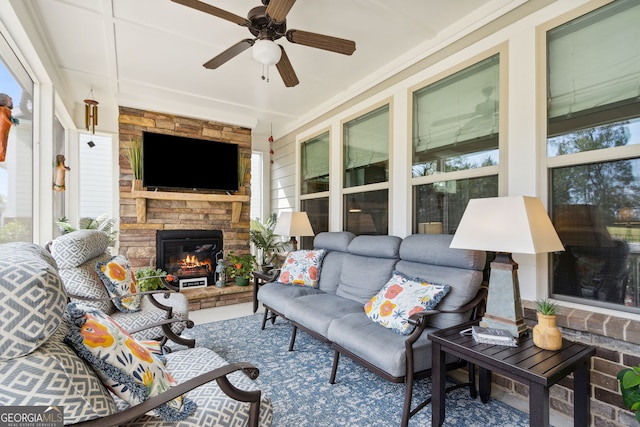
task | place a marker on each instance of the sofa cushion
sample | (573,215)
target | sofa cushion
(367,267)
(302,267)
(32,297)
(316,312)
(429,257)
(336,243)
(278,296)
(125,366)
(401,297)
(54,375)
(117,276)
(380,346)
(333,241)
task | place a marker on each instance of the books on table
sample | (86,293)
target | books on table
(493,336)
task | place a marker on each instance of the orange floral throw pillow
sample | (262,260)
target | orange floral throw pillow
(400,298)
(302,268)
(117,276)
(125,366)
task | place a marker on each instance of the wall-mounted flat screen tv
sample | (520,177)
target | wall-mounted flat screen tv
(177,162)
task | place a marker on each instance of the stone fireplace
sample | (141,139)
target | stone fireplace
(164,211)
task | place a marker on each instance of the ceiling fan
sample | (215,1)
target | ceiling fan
(268,23)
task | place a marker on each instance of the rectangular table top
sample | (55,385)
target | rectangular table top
(526,361)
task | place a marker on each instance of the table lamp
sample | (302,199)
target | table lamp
(505,225)
(293,224)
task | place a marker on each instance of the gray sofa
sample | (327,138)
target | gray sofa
(39,368)
(353,270)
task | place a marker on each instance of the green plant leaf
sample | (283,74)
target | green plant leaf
(631,379)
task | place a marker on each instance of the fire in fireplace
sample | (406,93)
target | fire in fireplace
(189,255)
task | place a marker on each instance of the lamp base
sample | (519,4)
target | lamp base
(504,308)
(294,243)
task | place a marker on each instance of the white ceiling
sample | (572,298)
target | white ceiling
(149,53)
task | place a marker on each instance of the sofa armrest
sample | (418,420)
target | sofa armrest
(218,374)
(475,304)
(268,276)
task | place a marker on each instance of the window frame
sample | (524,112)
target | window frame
(550,128)
(501,50)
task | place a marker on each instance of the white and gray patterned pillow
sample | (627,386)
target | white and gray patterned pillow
(74,249)
(33,298)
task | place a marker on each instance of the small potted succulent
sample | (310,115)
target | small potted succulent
(546,334)
(240,267)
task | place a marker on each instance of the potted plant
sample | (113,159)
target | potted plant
(150,279)
(133,153)
(629,379)
(266,242)
(240,267)
(546,334)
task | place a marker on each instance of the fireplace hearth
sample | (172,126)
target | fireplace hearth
(189,255)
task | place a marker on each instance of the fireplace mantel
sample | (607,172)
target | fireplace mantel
(142,196)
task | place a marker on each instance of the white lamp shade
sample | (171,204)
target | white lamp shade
(293,224)
(266,52)
(507,224)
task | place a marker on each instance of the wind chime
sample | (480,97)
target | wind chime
(91,113)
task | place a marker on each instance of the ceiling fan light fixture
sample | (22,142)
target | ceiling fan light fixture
(266,52)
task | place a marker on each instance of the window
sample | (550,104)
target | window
(455,134)
(315,165)
(455,120)
(16,172)
(318,212)
(367,212)
(257,180)
(593,158)
(96,176)
(366,148)
(439,206)
(366,166)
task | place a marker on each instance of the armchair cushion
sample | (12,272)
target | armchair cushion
(118,278)
(53,375)
(401,297)
(76,254)
(302,268)
(124,365)
(32,298)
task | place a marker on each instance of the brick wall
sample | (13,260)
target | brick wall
(617,342)
(138,241)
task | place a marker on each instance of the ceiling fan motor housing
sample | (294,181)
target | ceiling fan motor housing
(263,27)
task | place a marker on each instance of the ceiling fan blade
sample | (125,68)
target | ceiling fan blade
(278,9)
(228,54)
(212,10)
(320,41)
(286,70)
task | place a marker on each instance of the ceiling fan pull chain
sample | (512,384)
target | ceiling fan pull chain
(265,73)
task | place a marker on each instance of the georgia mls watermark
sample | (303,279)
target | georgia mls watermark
(31,416)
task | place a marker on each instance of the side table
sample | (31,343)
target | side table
(526,363)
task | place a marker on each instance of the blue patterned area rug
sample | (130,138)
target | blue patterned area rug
(297,382)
